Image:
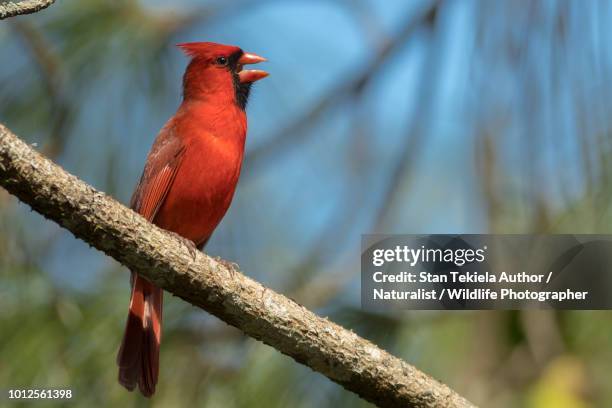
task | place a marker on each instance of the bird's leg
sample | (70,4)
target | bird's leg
(231,266)
(191,246)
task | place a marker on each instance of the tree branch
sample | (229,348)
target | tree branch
(212,285)
(12,9)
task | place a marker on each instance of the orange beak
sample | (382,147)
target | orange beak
(250,75)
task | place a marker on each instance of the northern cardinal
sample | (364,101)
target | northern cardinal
(187,184)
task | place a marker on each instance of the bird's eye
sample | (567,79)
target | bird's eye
(221,61)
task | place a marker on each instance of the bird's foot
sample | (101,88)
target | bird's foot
(191,246)
(232,267)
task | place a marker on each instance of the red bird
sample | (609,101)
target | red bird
(187,184)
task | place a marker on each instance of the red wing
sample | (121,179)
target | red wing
(159,173)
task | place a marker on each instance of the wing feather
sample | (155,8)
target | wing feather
(159,173)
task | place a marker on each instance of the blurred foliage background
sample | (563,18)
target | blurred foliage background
(450,116)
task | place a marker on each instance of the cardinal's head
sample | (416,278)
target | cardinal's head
(216,73)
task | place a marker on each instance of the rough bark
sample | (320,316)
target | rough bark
(12,9)
(214,285)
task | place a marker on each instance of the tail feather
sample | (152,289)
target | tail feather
(138,357)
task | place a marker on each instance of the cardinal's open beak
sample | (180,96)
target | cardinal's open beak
(250,75)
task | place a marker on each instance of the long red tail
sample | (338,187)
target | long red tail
(138,357)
